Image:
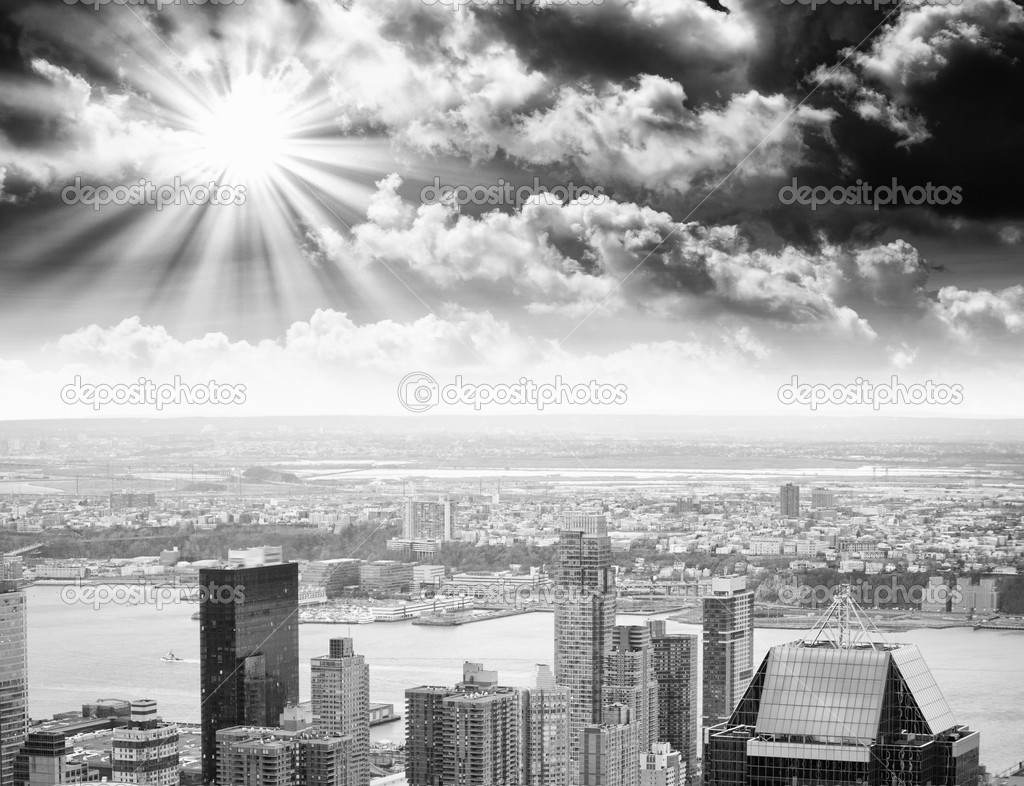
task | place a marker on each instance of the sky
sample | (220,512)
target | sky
(678,264)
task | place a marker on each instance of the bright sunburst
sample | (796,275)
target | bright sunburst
(248,133)
(251,111)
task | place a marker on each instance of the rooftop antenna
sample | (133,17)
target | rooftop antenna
(845,625)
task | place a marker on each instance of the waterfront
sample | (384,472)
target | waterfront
(78,654)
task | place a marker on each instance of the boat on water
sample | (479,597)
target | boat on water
(170,656)
(357,617)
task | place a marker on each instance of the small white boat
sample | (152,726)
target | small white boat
(170,656)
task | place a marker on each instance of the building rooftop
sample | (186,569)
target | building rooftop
(828,692)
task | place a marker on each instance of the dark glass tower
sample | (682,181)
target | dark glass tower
(841,709)
(249,649)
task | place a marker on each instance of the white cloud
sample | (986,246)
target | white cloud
(982,313)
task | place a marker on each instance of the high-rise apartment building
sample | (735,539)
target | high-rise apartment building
(545,755)
(340,689)
(430,520)
(662,766)
(263,756)
(583,623)
(822,499)
(13,678)
(676,670)
(728,646)
(610,750)
(463,736)
(249,649)
(840,707)
(145,751)
(629,678)
(789,501)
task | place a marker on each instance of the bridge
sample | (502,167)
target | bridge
(663,589)
(24,550)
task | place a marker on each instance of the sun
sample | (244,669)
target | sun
(246,133)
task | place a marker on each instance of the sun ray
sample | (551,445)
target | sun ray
(247,114)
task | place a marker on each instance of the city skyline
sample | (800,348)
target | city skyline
(935,549)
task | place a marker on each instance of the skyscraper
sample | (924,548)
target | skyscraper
(340,689)
(822,498)
(789,501)
(629,678)
(463,736)
(249,649)
(145,751)
(676,670)
(583,623)
(839,707)
(545,732)
(429,520)
(13,678)
(728,646)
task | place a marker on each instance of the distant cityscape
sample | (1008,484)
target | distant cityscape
(846,562)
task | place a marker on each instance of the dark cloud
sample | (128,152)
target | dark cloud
(607,44)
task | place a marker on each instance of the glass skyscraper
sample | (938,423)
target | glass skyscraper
(13,678)
(840,711)
(249,649)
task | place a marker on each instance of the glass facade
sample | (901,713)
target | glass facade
(248,649)
(13,678)
(822,715)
